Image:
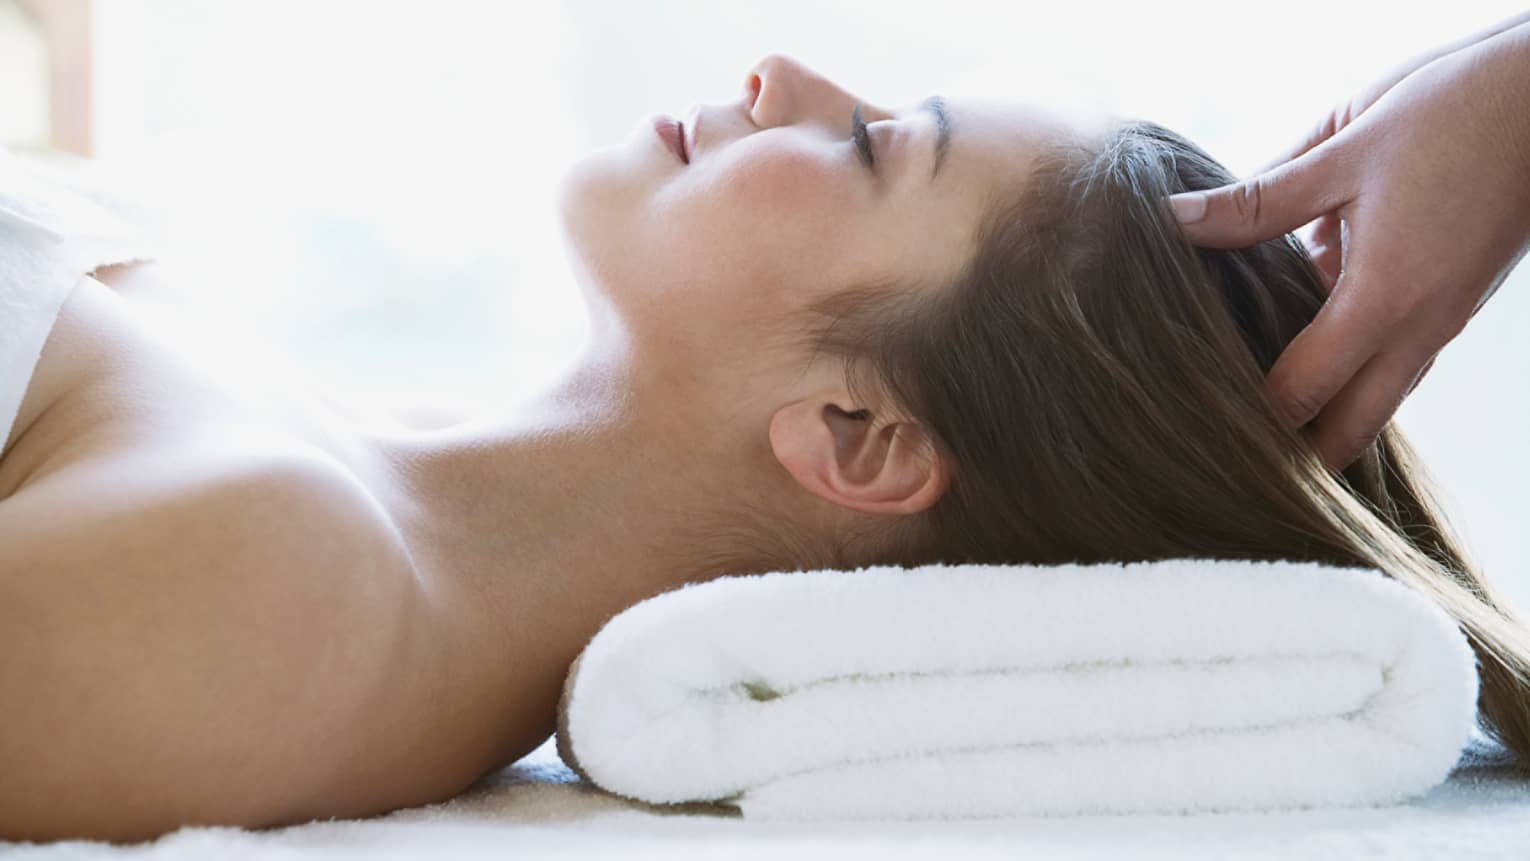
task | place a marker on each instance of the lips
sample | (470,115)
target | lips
(672,133)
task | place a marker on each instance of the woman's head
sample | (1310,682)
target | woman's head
(1029,364)
(707,267)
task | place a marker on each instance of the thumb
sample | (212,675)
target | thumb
(1261,207)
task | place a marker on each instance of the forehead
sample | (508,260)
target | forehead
(992,141)
(927,230)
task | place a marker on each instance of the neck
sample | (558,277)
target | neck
(533,526)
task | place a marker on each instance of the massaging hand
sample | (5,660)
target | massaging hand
(1418,191)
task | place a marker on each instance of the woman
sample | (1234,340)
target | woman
(966,332)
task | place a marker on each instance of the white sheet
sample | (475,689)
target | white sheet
(538,808)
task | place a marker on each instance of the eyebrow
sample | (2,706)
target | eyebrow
(936,105)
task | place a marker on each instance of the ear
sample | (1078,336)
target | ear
(850,459)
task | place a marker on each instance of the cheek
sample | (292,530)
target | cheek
(763,222)
(780,182)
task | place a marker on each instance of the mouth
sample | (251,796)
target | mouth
(672,133)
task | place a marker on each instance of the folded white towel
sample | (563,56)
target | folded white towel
(970,691)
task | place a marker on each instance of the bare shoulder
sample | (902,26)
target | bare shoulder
(198,629)
(210,503)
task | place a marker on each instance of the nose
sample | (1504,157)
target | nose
(786,91)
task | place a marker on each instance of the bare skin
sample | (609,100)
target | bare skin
(413,597)
(308,673)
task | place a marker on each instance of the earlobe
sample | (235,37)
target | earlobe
(850,459)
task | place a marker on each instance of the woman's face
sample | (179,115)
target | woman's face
(778,207)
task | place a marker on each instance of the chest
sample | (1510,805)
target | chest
(119,377)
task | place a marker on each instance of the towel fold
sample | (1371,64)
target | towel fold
(970,691)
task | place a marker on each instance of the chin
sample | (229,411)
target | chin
(580,192)
(612,181)
(605,202)
(595,205)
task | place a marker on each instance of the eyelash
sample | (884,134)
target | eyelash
(859,135)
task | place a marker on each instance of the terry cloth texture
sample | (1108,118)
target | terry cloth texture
(976,691)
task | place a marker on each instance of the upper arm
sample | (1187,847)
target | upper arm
(152,630)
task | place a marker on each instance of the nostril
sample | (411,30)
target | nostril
(753,86)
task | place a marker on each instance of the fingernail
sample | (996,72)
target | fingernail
(1189,207)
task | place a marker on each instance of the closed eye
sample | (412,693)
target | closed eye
(862,139)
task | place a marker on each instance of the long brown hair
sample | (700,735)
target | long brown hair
(1096,384)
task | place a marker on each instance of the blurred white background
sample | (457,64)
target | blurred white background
(368,184)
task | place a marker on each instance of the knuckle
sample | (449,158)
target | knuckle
(772,62)
(1300,407)
(1247,199)
(1450,328)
